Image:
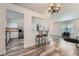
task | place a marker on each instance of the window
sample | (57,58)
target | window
(67,27)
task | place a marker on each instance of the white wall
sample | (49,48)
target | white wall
(76,27)
(28,41)
(56,28)
(13,23)
(2,30)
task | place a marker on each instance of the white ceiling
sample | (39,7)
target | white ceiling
(10,15)
(37,7)
(69,10)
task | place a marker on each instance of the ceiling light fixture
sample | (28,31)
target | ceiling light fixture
(54,8)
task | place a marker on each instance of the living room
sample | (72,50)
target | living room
(50,25)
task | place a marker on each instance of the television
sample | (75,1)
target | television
(66,34)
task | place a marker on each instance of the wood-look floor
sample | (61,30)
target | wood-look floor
(30,51)
(14,45)
(64,49)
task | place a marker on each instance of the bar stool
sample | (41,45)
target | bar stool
(45,36)
(39,38)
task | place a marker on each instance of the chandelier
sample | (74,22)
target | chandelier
(54,8)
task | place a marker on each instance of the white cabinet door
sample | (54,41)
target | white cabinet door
(14,34)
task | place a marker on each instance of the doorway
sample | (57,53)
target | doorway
(14,31)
